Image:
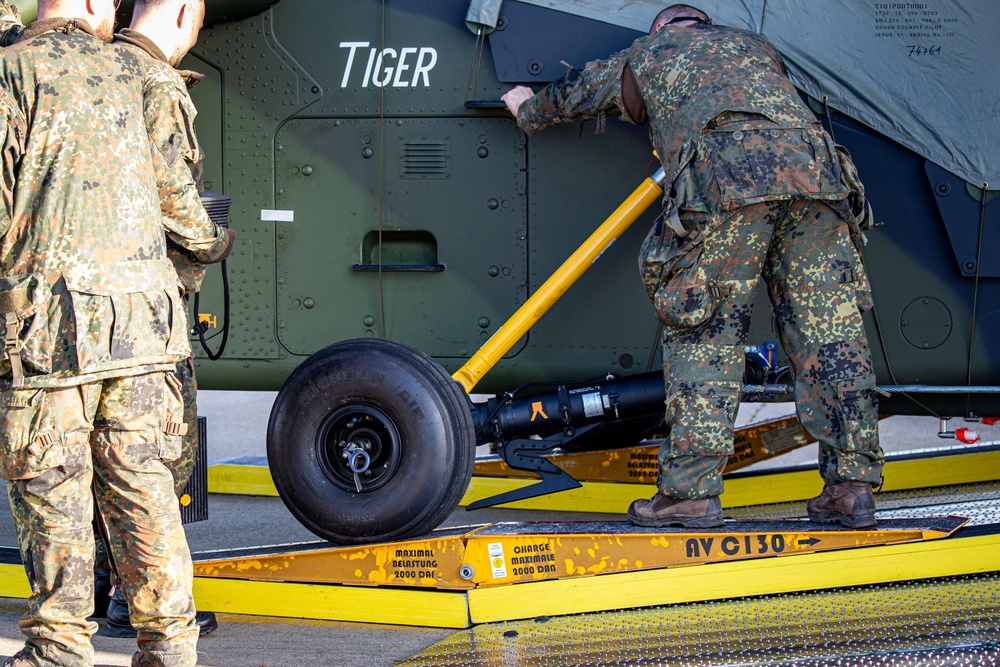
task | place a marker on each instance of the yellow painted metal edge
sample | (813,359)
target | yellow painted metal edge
(832,569)
(779,487)
(14,582)
(240,480)
(942,471)
(460,609)
(614,498)
(360,604)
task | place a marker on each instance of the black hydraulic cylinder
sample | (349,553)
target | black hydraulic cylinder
(568,407)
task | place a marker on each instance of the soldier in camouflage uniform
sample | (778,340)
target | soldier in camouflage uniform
(169,115)
(756,188)
(93,323)
(10,23)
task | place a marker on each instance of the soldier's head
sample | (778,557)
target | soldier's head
(99,14)
(173,25)
(682,15)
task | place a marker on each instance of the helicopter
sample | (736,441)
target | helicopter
(391,216)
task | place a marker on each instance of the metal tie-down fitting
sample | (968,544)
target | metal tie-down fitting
(358,460)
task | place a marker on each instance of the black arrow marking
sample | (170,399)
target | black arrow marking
(810,542)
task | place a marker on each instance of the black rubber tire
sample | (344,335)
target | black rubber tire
(414,415)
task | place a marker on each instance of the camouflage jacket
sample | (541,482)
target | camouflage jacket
(10,23)
(728,125)
(169,114)
(86,291)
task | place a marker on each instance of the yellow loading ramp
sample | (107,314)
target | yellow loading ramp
(636,465)
(459,577)
(902,472)
(421,606)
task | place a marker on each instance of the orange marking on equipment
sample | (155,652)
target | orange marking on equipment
(536,410)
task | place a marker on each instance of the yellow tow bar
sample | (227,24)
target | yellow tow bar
(538,304)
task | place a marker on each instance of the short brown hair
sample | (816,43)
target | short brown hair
(674,11)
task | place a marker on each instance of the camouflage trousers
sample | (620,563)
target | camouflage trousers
(815,281)
(113,434)
(181,467)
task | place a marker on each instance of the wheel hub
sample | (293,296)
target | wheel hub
(358,447)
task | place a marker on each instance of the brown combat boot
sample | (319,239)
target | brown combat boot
(139,659)
(661,511)
(851,504)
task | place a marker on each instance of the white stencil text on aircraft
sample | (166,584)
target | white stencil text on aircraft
(407,67)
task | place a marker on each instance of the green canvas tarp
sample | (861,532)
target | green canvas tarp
(926,74)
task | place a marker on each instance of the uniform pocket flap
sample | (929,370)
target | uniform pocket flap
(122,277)
(23,294)
(15,301)
(754,162)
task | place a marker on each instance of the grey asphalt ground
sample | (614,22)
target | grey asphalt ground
(236,427)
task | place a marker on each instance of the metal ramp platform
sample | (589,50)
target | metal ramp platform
(503,572)
(624,567)
(460,577)
(603,489)
(463,576)
(904,471)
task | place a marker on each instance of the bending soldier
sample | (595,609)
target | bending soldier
(756,188)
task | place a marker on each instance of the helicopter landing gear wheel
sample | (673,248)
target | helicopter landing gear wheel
(370,440)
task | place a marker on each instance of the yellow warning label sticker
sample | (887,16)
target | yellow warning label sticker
(497,562)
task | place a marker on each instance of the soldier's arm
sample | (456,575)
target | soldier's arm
(579,95)
(169,118)
(11,148)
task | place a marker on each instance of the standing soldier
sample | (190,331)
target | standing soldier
(10,23)
(160,35)
(94,325)
(756,189)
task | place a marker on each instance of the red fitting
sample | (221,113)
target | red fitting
(966,436)
(991,421)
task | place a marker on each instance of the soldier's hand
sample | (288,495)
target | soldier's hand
(231,233)
(515,97)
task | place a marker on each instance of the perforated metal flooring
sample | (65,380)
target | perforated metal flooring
(947,621)
(939,622)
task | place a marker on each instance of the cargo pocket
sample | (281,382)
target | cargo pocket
(683,300)
(128,315)
(174,427)
(27,348)
(699,412)
(29,444)
(857,413)
(763,161)
(654,253)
